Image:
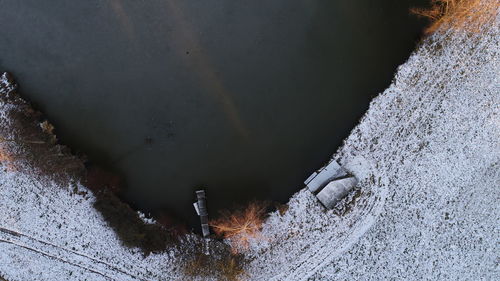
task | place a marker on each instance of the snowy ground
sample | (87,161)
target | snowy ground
(427,156)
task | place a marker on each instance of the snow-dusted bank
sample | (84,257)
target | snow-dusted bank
(426,154)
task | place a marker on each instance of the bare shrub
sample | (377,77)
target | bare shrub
(242,226)
(468,15)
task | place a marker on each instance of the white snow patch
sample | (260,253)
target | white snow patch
(145,218)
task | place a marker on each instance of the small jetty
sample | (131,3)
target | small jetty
(201,209)
(330,184)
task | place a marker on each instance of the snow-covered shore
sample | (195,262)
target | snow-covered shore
(427,156)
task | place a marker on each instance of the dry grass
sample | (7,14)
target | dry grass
(211,259)
(5,156)
(8,156)
(281,208)
(467,15)
(228,268)
(241,227)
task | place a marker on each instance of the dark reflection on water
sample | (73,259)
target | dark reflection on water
(243,98)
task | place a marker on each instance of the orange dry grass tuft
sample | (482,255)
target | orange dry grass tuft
(468,15)
(242,226)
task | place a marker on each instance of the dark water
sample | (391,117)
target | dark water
(244,98)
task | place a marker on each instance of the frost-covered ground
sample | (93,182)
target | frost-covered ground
(427,156)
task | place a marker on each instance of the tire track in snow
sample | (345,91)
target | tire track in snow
(54,257)
(65,255)
(305,269)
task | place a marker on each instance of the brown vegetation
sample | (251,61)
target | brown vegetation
(227,269)
(28,142)
(6,159)
(241,226)
(219,262)
(467,15)
(281,208)
(131,230)
(98,178)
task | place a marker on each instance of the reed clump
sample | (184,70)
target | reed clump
(467,15)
